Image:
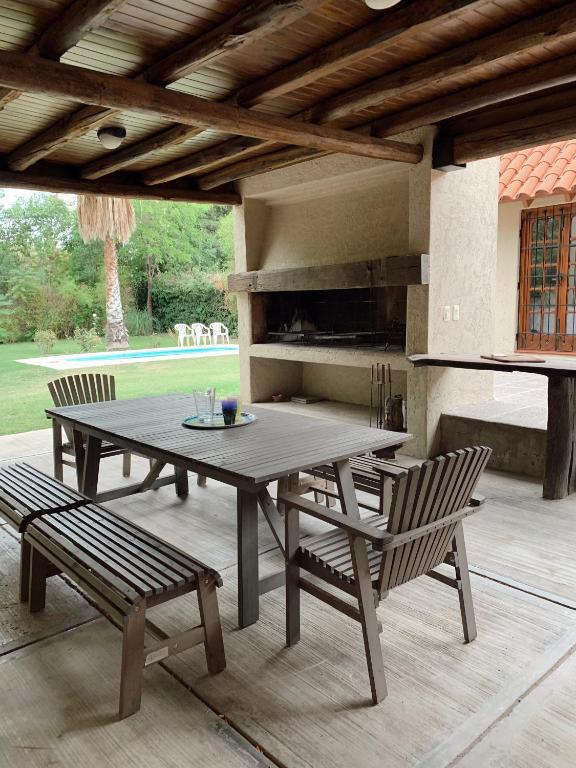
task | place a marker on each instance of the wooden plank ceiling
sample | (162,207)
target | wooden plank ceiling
(211,91)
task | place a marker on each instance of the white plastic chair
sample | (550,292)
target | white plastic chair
(201,334)
(184,332)
(219,331)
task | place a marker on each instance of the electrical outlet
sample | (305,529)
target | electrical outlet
(455,312)
(446,313)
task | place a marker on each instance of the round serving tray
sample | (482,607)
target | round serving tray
(217,422)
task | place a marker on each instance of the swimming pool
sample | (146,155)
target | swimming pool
(93,359)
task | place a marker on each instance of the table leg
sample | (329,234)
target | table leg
(92,466)
(248,590)
(560,473)
(79,457)
(57,450)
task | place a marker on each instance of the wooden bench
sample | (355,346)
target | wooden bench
(125,570)
(25,494)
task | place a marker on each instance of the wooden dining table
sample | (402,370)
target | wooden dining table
(277,446)
(560,469)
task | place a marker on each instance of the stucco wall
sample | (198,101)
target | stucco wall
(363,223)
(507,276)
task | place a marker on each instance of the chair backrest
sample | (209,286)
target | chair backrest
(425,495)
(181,329)
(82,388)
(218,328)
(200,328)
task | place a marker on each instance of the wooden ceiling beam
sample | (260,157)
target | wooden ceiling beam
(47,180)
(528,35)
(76,20)
(394,27)
(529,81)
(113,92)
(529,131)
(534,33)
(203,158)
(169,137)
(252,166)
(537,79)
(249,24)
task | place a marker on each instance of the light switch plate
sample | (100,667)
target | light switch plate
(446,313)
(455,312)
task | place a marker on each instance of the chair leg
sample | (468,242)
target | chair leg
(25,552)
(201,481)
(330,486)
(367,608)
(464,586)
(292,541)
(210,618)
(132,661)
(38,573)
(126,464)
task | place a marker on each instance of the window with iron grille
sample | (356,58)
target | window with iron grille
(547,301)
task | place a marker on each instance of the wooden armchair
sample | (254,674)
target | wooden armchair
(77,390)
(423,531)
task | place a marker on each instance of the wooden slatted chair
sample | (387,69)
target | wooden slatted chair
(79,389)
(423,531)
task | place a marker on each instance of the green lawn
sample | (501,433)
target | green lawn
(24,391)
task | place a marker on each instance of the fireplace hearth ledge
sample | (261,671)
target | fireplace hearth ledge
(356,357)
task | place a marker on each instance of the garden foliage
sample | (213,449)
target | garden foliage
(172,270)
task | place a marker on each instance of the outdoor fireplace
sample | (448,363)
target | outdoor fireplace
(354,317)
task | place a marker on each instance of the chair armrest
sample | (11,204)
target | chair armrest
(398,539)
(338,519)
(390,470)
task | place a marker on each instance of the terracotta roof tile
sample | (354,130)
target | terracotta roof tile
(544,170)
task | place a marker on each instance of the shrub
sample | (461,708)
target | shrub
(138,322)
(190,299)
(45,341)
(87,338)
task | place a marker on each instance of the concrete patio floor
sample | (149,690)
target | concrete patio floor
(504,700)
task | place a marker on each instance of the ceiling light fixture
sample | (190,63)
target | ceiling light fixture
(111,136)
(381,5)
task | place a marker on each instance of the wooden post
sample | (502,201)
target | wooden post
(559,475)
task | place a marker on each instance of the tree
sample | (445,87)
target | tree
(109,219)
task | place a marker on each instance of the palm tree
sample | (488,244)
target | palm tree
(111,220)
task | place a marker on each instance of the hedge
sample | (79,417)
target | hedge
(188,299)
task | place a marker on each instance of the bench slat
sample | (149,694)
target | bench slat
(145,548)
(83,547)
(53,547)
(134,559)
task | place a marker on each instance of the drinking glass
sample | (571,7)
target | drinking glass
(204,400)
(229,410)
